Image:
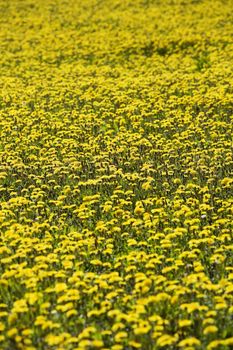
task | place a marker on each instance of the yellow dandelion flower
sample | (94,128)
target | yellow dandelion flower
(97,343)
(2,326)
(120,336)
(191,341)
(146,186)
(135,344)
(166,340)
(215,344)
(53,340)
(71,313)
(210,329)
(117,326)
(228,341)
(12,332)
(142,328)
(117,347)
(139,210)
(184,323)
(60,287)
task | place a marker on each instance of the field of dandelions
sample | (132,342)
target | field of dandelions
(116,202)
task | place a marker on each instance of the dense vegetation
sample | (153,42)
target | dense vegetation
(116,203)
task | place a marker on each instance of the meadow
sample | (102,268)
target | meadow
(116,201)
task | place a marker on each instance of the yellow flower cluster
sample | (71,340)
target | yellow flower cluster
(116,202)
